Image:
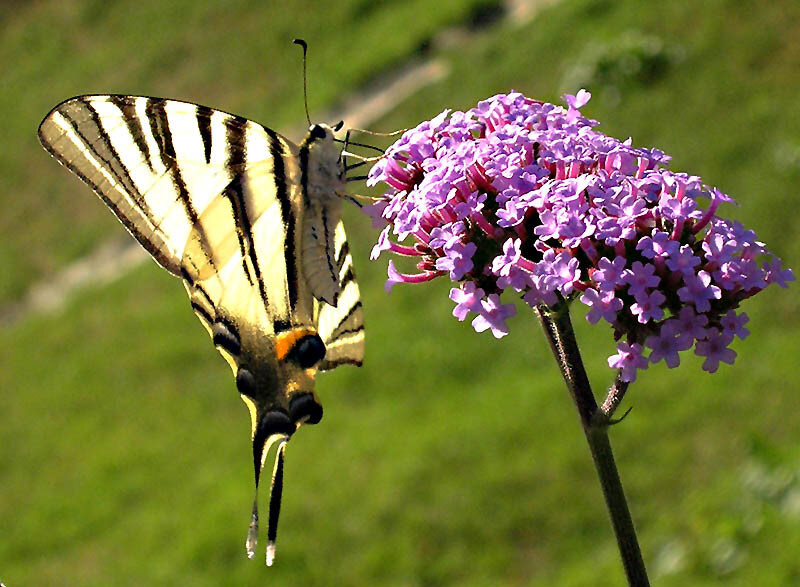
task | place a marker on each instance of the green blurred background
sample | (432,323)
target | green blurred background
(449,458)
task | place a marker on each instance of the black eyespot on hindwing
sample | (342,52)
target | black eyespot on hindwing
(304,407)
(274,422)
(245,382)
(308,351)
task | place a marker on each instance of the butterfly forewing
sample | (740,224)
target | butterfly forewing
(157,163)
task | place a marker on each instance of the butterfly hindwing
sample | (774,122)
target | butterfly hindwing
(342,326)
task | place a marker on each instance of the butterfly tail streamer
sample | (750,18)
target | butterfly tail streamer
(276,490)
(275,493)
(252,533)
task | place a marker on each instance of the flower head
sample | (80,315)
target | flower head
(521,195)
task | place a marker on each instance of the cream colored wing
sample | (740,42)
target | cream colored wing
(229,206)
(219,201)
(342,326)
(157,163)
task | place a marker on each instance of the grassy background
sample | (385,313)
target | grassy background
(449,458)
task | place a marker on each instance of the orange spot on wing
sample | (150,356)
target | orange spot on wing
(285,341)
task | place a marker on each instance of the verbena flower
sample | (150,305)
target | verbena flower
(521,195)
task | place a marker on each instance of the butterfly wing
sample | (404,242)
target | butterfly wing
(219,201)
(130,151)
(342,326)
(250,222)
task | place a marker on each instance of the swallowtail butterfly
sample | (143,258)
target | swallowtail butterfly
(251,224)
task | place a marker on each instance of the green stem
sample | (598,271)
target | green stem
(561,336)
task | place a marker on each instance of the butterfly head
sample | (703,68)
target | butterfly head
(325,172)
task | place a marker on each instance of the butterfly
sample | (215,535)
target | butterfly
(251,224)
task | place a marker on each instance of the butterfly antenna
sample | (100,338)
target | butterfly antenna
(304,45)
(347,142)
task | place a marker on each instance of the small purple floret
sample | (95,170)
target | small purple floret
(715,349)
(492,315)
(467,299)
(628,360)
(603,305)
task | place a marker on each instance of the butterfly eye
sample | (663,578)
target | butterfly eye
(308,351)
(303,407)
(317,131)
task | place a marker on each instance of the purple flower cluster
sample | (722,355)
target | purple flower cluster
(523,195)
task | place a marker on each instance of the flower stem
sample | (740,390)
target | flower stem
(595,423)
(615,394)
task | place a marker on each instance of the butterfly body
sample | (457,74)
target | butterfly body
(248,220)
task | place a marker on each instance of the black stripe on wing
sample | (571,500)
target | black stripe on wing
(341,256)
(289,221)
(244,232)
(327,242)
(279,326)
(159,126)
(155,109)
(135,129)
(203,314)
(339,331)
(204,126)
